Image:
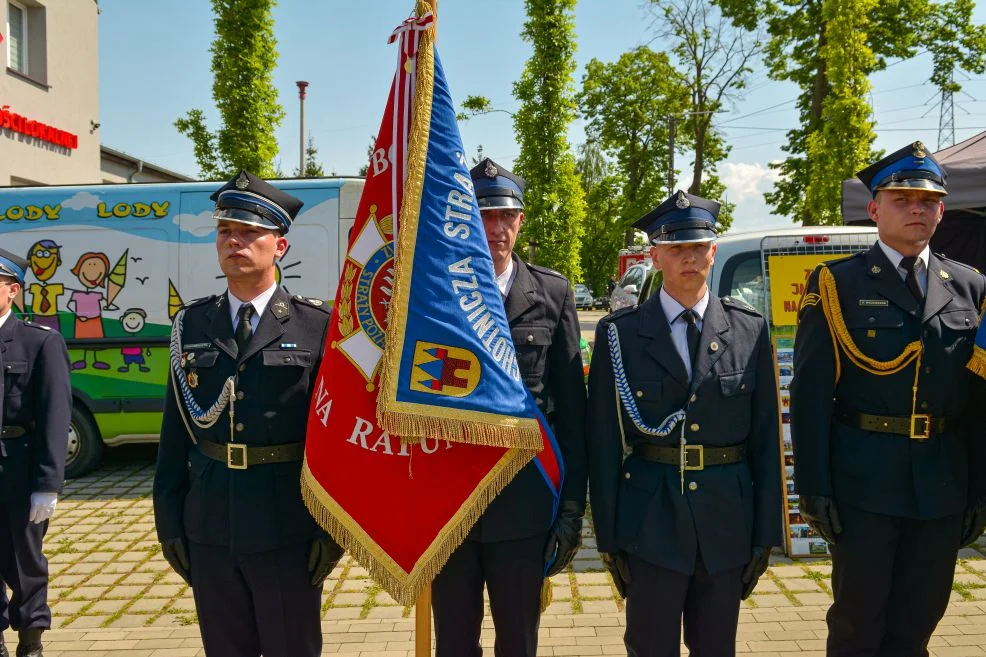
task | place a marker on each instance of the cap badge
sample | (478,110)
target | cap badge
(919,150)
(682,200)
(242,182)
(491,170)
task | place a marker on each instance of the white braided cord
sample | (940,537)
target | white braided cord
(623,388)
(202,418)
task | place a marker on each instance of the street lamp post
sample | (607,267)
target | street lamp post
(302,92)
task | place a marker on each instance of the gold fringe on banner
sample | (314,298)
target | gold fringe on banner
(403,586)
(977,363)
(546,594)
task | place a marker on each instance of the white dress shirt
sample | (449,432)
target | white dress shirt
(679,327)
(506,279)
(259,304)
(5,316)
(895,257)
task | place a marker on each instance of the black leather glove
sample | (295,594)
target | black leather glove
(757,567)
(820,513)
(176,553)
(973,523)
(324,556)
(619,568)
(566,534)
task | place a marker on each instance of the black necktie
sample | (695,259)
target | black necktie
(691,333)
(243,328)
(911,264)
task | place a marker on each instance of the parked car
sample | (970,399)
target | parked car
(625,293)
(583,297)
(601,302)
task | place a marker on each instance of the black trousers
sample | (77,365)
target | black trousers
(23,567)
(256,603)
(891,578)
(659,601)
(513,572)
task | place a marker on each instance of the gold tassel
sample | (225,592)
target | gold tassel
(547,594)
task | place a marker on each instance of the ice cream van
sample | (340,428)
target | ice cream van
(110,265)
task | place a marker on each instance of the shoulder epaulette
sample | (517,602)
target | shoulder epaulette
(622,312)
(848,258)
(199,302)
(37,326)
(739,304)
(550,272)
(953,261)
(313,302)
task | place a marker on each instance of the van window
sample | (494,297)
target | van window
(742,278)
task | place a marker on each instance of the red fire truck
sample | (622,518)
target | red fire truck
(631,256)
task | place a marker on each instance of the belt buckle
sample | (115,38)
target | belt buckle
(698,449)
(236,456)
(920,426)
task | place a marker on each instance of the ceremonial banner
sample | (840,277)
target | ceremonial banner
(420,416)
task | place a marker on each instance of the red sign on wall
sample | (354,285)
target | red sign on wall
(27,126)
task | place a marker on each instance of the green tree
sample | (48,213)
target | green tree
(627,105)
(797,51)
(554,201)
(714,57)
(842,145)
(244,54)
(313,169)
(603,227)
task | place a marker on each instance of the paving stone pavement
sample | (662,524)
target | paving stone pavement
(112,593)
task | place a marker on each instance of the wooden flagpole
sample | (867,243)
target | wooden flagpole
(422,609)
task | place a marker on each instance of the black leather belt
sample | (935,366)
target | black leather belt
(238,456)
(13,432)
(697,457)
(919,426)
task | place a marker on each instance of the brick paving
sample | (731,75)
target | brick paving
(112,593)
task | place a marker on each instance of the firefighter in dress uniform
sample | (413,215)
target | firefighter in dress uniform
(227,492)
(889,461)
(683,437)
(513,541)
(35,412)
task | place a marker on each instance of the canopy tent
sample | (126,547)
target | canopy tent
(962,233)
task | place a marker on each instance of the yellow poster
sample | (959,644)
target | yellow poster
(788,276)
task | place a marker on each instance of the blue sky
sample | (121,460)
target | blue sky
(154,66)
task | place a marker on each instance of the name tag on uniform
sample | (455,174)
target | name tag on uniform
(874,302)
(198,345)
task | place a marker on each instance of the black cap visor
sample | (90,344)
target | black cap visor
(499,203)
(245,217)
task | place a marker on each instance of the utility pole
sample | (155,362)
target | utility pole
(302,92)
(946,120)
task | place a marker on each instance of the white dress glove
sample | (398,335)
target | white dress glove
(42,506)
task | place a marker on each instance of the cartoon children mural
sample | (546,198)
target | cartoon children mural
(45,257)
(91,270)
(132,321)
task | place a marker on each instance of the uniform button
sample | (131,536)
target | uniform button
(924,405)
(871,319)
(692,485)
(694,426)
(693,398)
(929,369)
(640,393)
(967,322)
(530,338)
(239,395)
(239,426)
(626,475)
(243,367)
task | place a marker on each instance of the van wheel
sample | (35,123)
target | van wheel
(85,445)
